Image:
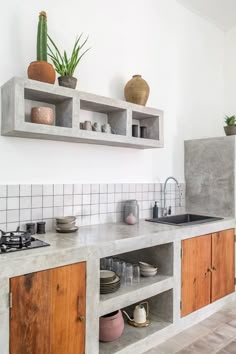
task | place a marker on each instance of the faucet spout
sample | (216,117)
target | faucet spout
(164,192)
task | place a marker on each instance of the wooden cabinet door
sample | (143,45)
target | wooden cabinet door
(67,322)
(48,311)
(222,264)
(196,279)
(29,315)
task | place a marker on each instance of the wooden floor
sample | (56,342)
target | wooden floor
(216,334)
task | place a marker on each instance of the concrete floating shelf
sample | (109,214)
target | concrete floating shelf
(71,108)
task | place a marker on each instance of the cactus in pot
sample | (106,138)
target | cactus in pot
(41,70)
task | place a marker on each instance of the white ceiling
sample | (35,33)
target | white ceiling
(220,12)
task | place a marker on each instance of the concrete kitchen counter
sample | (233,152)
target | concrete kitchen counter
(94,242)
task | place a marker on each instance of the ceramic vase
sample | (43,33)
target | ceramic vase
(41,71)
(137,90)
(42,115)
(111,326)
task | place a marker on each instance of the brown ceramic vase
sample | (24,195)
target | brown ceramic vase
(42,115)
(42,71)
(137,90)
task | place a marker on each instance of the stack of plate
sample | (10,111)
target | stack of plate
(147,270)
(109,282)
(66,224)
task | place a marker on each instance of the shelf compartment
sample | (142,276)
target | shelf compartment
(126,295)
(62,106)
(161,317)
(150,119)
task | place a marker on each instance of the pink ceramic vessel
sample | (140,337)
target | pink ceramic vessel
(111,326)
(42,115)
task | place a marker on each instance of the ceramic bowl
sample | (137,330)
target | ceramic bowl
(65,220)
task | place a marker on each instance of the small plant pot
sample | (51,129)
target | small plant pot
(67,81)
(42,115)
(42,71)
(230,129)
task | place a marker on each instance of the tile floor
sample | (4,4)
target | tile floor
(216,334)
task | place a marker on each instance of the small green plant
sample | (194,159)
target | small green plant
(64,65)
(230,120)
(42,37)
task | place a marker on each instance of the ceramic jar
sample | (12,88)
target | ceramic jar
(131,212)
(111,326)
(42,115)
(137,90)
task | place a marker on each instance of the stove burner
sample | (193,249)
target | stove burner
(18,240)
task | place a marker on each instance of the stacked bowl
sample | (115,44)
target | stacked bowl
(66,224)
(147,270)
(109,282)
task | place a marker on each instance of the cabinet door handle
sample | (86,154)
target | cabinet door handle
(214,268)
(210,270)
(80,317)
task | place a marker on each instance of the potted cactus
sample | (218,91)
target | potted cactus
(230,128)
(41,70)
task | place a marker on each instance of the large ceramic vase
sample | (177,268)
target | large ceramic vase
(137,90)
(111,326)
(42,71)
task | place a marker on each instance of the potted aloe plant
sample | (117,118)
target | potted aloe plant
(64,65)
(230,128)
(40,69)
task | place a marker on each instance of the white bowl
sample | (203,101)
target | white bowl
(65,219)
(68,226)
(146,266)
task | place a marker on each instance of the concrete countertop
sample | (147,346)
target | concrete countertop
(99,241)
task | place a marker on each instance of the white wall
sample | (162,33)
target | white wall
(177,52)
(230,72)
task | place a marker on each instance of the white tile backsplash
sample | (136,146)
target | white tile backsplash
(13,190)
(91,203)
(37,190)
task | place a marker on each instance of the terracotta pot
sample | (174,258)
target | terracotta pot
(42,115)
(111,326)
(137,90)
(67,81)
(42,71)
(230,129)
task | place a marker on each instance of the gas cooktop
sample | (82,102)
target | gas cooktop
(19,241)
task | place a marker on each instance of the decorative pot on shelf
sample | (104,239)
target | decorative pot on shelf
(111,326)
(137,90)
(42,115)
(67,81)
(41,70)
(230,129)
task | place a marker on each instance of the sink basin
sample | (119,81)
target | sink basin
(184,219)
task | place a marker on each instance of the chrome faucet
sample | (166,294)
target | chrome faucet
(164,213)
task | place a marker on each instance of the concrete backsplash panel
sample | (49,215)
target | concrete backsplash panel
(210,176)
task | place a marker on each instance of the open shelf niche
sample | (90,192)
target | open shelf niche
(163,281)
(71,109)
(161,317)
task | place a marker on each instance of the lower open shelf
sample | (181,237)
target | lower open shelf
(132,335)
(160,316)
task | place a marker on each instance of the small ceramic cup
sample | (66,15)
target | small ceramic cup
(96,127)
(87,125)
(106,128)
(42,115)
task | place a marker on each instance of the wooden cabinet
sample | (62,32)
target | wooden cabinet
(207,270)
(47,315)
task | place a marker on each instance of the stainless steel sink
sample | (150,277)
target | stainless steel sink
(184,219)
